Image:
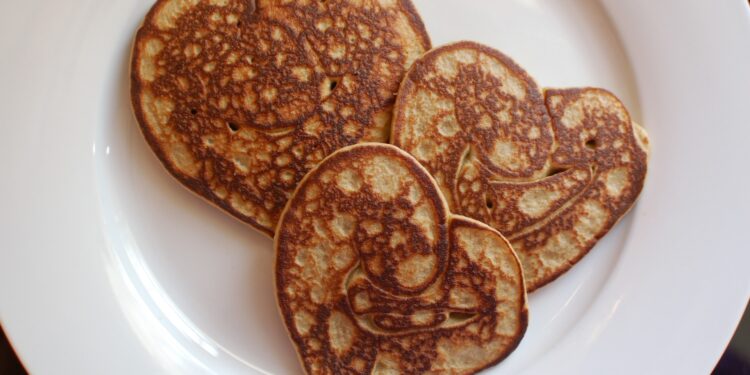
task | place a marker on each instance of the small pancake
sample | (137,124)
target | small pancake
(240,98)
(551,171)
(375,275)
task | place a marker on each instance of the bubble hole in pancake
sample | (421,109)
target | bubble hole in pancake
(553,171)
(240,98)
(375,275)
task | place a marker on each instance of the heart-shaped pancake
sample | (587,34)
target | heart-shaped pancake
(240,98)
(552,171)
(375,275)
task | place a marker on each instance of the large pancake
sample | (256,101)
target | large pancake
(240,98)
(551,171)
(375,275)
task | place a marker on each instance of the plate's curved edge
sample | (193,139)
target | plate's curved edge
(56,302)
(19,229)
(658,47)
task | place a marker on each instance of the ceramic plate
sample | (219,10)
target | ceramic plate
(110,266)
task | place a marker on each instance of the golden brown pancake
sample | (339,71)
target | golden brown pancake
(375,275)
(240,98)
(553,171)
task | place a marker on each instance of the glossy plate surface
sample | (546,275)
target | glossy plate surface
(109,266)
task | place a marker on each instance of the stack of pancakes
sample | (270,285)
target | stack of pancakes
(412,257)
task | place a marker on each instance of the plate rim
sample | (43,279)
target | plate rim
(19,229)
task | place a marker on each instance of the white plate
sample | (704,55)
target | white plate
(109,266)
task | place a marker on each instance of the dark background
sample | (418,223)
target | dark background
(735,361)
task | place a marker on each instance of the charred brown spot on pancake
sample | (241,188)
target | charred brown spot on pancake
(380,278)
(553,172)
(240,98)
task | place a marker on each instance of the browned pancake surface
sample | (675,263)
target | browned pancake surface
(374,275)
(240,98)
(552,171)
